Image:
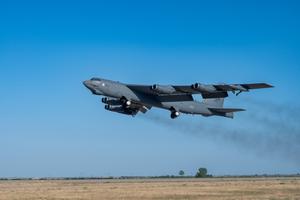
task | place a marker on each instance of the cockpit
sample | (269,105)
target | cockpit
(96,79)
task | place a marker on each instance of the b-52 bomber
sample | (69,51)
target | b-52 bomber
(130,99)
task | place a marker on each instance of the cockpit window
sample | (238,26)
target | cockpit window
(96,79)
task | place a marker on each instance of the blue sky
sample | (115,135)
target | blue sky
(52,126)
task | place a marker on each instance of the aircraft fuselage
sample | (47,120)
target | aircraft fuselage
(117,90)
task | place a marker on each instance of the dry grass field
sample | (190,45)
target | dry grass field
(227,188)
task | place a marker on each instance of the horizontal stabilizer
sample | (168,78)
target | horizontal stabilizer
(225,112)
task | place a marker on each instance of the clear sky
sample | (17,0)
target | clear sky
(51,125)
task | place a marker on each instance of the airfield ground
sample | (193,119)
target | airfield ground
(216,188)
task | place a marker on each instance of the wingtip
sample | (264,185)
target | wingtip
(270,86)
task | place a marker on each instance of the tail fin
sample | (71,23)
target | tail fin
(215,103)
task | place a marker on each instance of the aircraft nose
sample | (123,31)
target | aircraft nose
(87,84)
(91,86)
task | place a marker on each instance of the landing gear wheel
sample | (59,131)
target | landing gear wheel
(175,114)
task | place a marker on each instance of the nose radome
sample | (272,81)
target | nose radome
(92,86)
(87,83)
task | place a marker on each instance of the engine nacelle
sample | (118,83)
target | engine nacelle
(238,87)
(120,109)
(163,89)
(204,88)
(112,102)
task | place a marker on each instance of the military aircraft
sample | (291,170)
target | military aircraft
(130,99)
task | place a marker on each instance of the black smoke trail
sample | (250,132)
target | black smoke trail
(275,130)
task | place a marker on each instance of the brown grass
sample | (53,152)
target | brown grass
(233,188)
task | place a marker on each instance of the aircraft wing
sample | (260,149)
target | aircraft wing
(220,90)
(207,91)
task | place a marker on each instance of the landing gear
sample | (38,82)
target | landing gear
(175,114)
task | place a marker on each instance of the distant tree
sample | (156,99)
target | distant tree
(181,173)
(202,173)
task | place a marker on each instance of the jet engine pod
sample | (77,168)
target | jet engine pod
(239,87)
(113,102)
(104,100)
(154,87)
(204,88)
(114,108)
(163,89)
(120,109)
(107,107)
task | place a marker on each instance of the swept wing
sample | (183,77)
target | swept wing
(207,91)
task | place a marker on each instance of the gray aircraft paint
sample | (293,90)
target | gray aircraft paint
(177,99)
